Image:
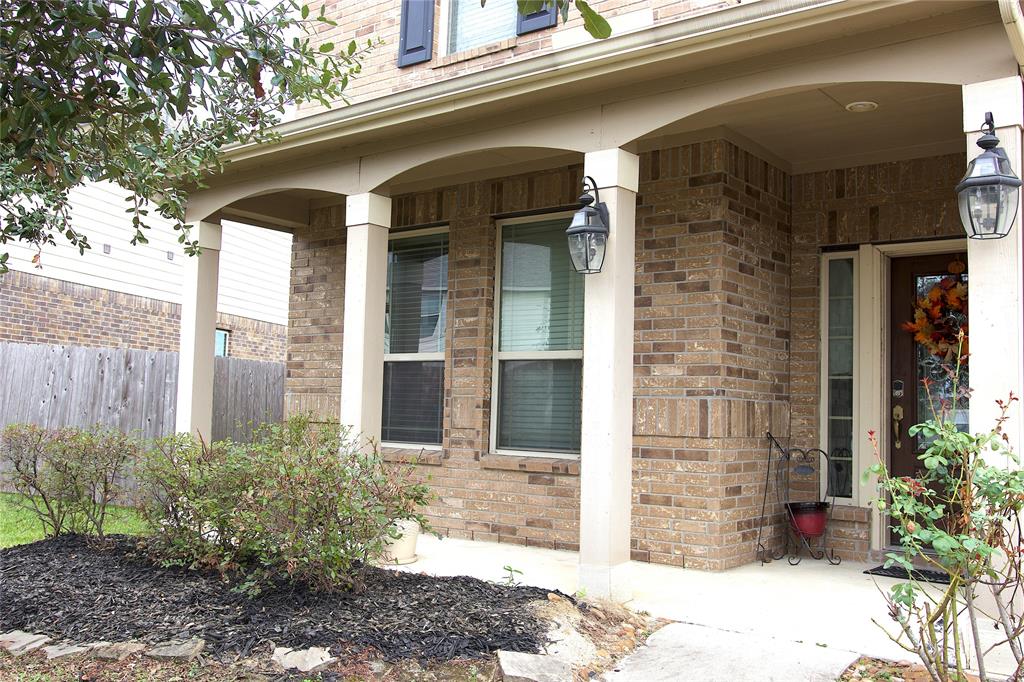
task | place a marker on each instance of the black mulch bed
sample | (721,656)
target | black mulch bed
(70,589)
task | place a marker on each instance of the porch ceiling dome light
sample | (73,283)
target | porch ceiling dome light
(588,231)
(989,192)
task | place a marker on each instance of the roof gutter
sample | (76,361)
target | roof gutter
(720,25)
(1013,22)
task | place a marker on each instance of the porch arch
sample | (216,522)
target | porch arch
(979,53)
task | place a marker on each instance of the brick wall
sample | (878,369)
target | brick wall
(39,309)
(380,19)
(726,341)
(883,202)
(712,350)
(712,340)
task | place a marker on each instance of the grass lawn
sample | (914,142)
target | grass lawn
(18,525)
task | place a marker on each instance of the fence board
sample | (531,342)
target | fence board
(133,390)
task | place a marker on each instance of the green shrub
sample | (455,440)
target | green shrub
(301,502)
(67,477)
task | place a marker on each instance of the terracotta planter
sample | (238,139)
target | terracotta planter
(808,519)
(402,550)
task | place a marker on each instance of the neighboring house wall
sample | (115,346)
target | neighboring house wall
(37,309)
(376,19)
(129,297)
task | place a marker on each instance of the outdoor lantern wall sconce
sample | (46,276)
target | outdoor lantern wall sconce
(988,194)
(588,231)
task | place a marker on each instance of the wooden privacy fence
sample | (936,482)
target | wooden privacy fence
(133,390)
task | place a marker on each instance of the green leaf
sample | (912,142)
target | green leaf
(596,25)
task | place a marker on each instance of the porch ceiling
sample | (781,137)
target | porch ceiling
(810,129)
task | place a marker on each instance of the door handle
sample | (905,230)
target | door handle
(897,418)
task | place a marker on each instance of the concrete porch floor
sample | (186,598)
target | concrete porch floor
(811,603)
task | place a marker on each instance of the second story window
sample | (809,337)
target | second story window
(470,25)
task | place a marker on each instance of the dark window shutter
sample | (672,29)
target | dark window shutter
(416,40)
(545,17)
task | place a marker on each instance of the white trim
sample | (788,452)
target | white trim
(540,354)
(856,463)
(444,28)
(414,357)
(421,232)
(429,447)
(433,356)
(497,355)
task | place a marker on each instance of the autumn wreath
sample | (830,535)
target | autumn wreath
(940,315)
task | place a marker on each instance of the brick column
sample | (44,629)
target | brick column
(607,423)
(367,217)
(194,411)
(996,272)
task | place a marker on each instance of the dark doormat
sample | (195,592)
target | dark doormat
(921,575)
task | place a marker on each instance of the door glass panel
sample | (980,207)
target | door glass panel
(934,362)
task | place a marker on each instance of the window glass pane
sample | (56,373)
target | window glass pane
(539,405)
(417,295)
(839,399)
(413,402)
(471,25)
(541,293)
(220,343)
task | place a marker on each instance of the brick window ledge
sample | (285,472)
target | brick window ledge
(413,455)
(533,464)
(474,52)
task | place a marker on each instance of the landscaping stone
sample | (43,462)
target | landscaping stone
(304,660)
(517,667)
(18,642)
(119,651)
(177,651)
(64,649)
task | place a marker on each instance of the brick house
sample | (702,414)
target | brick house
(779,177)
(121,296)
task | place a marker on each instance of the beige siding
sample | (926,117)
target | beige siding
(254,261)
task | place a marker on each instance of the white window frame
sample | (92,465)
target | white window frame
(227,340)
(419,357)
(497,355)
(823,339)
(444,29)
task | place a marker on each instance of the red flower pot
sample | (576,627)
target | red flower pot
(808,519)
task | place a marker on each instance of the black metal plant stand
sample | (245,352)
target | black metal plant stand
(803,519)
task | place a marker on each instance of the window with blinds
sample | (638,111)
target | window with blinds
(839,359)
(540,341)
(470,25)
(414,324)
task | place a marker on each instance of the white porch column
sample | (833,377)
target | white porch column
(194,411)
(367,217)
(606,464)
(996,271)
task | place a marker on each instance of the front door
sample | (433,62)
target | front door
(928,307)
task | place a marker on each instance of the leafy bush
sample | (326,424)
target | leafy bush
(301,502)
(67,477)
(960,515)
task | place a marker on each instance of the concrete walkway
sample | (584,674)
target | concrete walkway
(681,651)
(773,615)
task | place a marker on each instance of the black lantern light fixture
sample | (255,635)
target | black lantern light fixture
(588,231)
(988,194)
